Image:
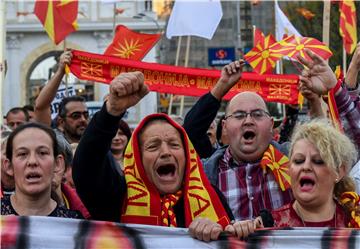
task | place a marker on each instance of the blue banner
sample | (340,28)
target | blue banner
(221,56)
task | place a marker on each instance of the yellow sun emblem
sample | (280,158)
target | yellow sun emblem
(127,49)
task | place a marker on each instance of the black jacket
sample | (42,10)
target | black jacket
(98,183)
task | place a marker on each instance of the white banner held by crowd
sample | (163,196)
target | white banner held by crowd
(48,232)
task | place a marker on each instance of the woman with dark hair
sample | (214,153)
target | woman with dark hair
(119,143)
(32,158)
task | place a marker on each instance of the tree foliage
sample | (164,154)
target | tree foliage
(314,26)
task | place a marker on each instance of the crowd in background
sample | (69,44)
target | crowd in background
(250,174)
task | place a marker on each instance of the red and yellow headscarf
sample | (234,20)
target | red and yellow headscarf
(143,203)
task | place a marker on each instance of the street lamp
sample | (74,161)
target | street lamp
(144,16)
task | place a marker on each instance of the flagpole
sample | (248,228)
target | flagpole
(326,23)
(66,75)
(176,64)
(187,52)
(114,18)
(2,51)
(344,62)
(279,68)
(253,31)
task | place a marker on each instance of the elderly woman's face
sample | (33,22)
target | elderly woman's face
(163,156)
(33,161)
(312,181)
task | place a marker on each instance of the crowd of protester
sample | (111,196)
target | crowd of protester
(98,168)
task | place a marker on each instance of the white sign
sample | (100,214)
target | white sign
(60,94)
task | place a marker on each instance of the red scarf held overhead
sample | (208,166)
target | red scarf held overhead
(183,80)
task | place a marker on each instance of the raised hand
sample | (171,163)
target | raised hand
(356,57)
(320,76)
(65,59)
(230,74)
(126,90)
(354,68)
(205,229)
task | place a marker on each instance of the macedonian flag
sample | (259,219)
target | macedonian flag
(293,45)
(348,25)
(131,45)
(261,57)
(58,17)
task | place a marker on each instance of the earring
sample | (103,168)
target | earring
(336,180)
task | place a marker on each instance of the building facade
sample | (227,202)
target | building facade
(30,53)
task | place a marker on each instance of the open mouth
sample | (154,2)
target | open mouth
(33,176)
(249,135)
(306,183)
(167,170)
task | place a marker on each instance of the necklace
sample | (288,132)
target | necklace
(301,217)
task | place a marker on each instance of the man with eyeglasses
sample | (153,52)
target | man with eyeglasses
(73,118)
(73,114)
(237,169)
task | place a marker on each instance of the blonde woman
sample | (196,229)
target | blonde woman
(320,159)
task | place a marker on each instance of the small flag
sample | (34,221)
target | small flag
(59,17)
(292,46)
(261,57)
(278,163)
(199,18)
(131,45)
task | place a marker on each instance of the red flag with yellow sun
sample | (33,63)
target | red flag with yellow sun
(293,45)
(261,58)
(59,17)
(128,44)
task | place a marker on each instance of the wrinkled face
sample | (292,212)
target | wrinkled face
(312,181)
(119,142)
(248,137)
(76,120)
(163,156)
(33,163)
(13,120)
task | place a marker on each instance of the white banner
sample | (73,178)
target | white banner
(46,232)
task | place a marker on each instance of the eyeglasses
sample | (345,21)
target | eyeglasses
(255,114)
(77,115)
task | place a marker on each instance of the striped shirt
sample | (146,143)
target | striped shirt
(248,189)
(349,111)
